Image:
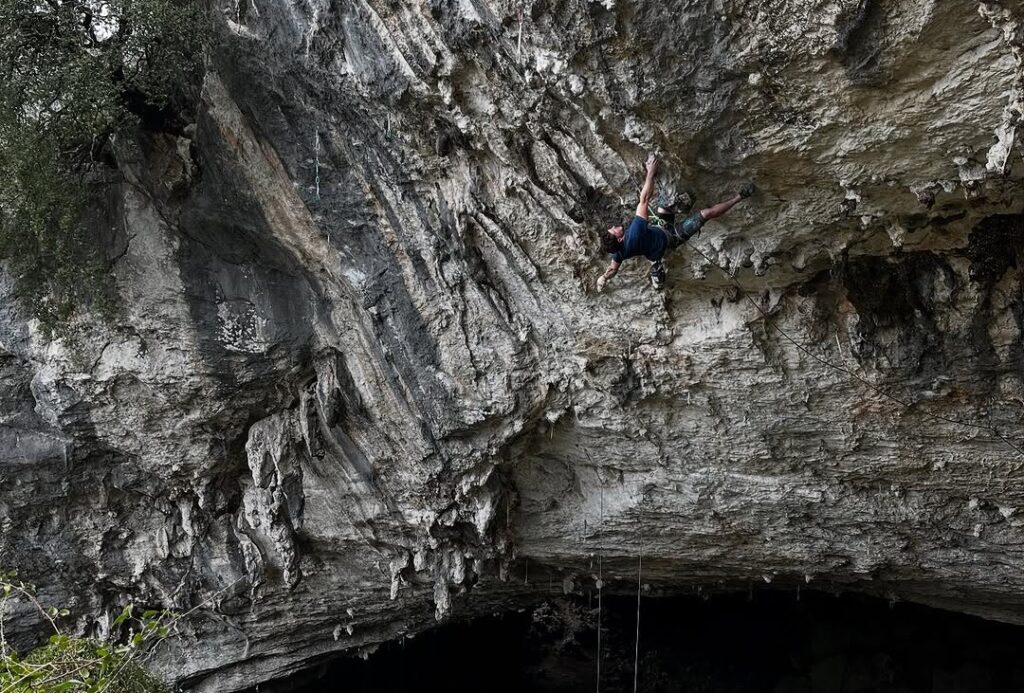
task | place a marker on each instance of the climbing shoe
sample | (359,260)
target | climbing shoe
(747,190)
(658,274)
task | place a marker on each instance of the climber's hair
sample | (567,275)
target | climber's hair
(610,244)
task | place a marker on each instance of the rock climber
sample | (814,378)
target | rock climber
(653,240)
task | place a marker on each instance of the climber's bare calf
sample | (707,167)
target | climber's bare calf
(721,208)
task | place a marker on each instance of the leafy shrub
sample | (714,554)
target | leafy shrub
(66,664)
(75,75)
(73,665)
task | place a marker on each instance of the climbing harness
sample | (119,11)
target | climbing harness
(656,219)
(670,225)
(848,371)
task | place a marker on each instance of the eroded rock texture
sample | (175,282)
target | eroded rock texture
(360,384)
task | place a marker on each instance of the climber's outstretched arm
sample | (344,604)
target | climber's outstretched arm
(613,269)
(648,189)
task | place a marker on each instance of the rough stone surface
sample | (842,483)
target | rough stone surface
(361,380)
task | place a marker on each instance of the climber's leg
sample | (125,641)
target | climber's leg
(723,207)
(688,227)
(719,209)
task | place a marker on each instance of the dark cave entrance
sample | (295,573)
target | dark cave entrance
(770,642)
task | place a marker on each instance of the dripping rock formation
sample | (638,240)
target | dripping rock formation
(361,382)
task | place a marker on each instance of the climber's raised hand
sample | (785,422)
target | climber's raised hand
(648,189)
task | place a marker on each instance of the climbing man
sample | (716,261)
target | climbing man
(653,240)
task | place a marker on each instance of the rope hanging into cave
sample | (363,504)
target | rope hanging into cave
(600,585)
(639,573)
(852,374)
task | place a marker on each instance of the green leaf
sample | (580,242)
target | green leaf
(125,614)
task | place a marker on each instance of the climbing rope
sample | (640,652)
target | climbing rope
(316,158)
(519,45)
(844,369)
(639,573)
(600,585)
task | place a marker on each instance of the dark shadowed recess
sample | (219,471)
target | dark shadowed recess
(770,642)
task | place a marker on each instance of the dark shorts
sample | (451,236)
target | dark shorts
(684,230)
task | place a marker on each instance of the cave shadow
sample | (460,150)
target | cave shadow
(768,641)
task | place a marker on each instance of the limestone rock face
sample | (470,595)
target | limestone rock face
(361,380)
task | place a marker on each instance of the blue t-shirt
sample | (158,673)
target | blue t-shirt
(644,239)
